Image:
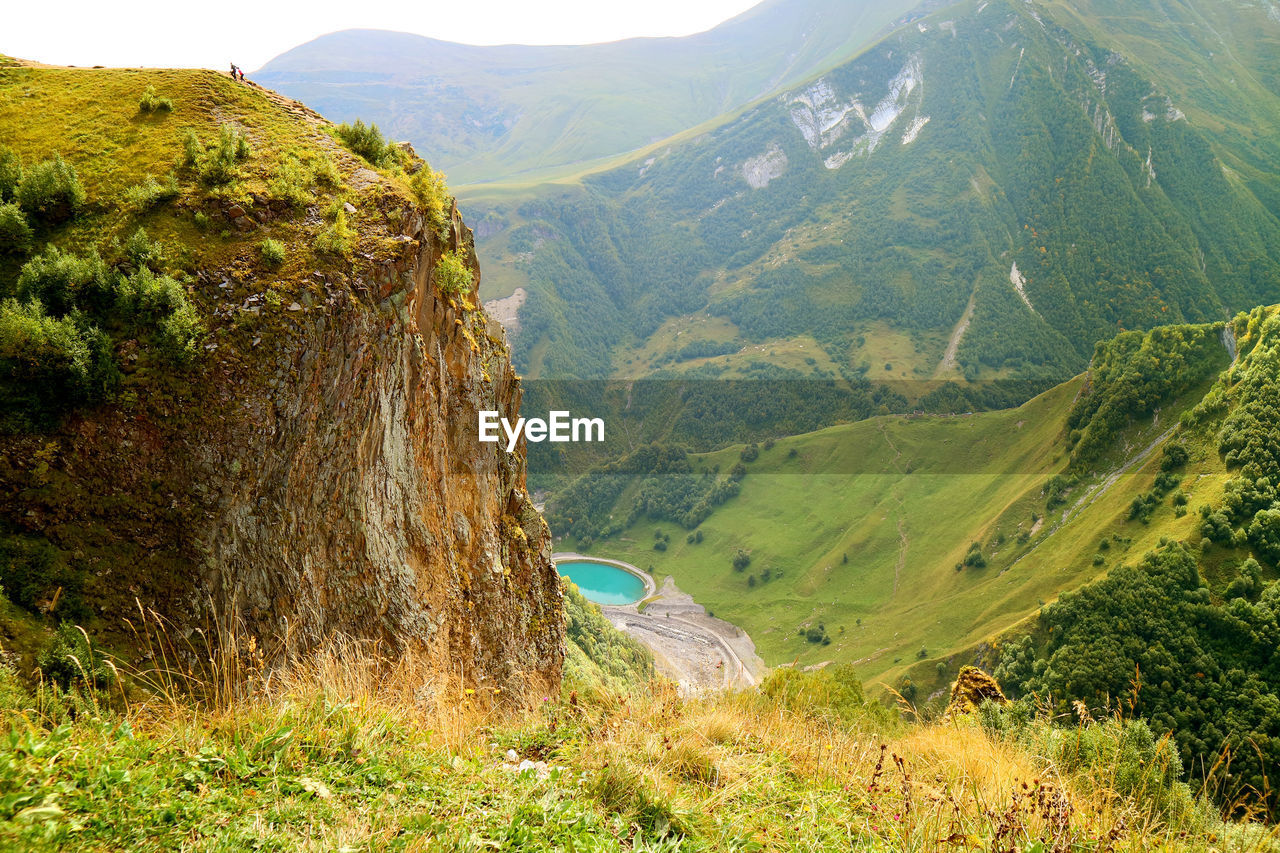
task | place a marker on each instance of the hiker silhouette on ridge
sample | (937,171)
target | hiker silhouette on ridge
(234,70)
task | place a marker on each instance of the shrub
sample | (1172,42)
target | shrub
(326,174)
(218,164)
(1264,534)
(366,141)
(336,238)
(192,150)
(10,173)
(1175,457)
(1142,507)
(142,251)
(32,571)
(69,657)
(158,303)
(833,691)
(45,364)
(1127,758)
(15,233)
(152,103)
(1056,490)
(291,183)
(741,560)
(452,275)
(429,188)
(146,195)
(60,280)
(1216,527)
(179,333)
(50,190)
(272,252)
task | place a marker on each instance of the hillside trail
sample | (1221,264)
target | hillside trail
(947,367)
(1090,497)
(904,542)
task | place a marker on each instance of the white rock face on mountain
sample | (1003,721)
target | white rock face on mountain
(820,116)
(1020,284)
(824,118)
(759,171)
(914,131)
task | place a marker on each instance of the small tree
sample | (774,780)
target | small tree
(365,140)
(50,191)
(452,275)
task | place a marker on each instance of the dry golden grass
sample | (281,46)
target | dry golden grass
(648,770)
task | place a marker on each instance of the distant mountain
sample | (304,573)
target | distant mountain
(484,113)
(985,193)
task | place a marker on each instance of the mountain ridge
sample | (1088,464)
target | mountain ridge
(572,103)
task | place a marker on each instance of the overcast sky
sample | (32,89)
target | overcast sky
(211,34)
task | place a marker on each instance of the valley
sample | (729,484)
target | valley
(927,356)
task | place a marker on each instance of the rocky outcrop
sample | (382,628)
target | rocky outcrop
(972,687)
(319,476)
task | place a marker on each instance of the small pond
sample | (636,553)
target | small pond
(602,583)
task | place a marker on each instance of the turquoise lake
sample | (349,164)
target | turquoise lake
(601,583)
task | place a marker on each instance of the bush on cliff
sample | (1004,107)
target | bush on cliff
(367,141)
(452,275)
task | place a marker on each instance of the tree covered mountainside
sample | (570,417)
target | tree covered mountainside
(1188,636)
(1109,547)
(986,192)
(497,112)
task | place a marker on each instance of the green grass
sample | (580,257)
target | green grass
(333,755)
(904,498)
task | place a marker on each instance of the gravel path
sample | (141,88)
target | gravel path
(696,651)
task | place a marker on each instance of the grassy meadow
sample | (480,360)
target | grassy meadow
(905,499)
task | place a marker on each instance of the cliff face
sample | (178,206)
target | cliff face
(364,504)
(317,472)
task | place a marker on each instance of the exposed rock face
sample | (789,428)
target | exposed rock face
(971,689)
(322,477)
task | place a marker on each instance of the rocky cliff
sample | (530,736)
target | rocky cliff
(317,471)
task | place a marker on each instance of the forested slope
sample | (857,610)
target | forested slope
(989,174)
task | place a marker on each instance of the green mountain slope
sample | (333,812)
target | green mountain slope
(985,193)
(1113,543)
(913,540)
(485,113)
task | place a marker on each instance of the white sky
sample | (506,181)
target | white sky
(213,33)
